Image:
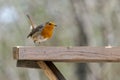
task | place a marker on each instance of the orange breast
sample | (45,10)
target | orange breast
(47,32)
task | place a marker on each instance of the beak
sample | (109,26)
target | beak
(55,25)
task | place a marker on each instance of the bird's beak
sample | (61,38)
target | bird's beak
(55,25)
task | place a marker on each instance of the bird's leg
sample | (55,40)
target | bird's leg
(35,43)
(38,43)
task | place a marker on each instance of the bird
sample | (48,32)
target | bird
(42,32)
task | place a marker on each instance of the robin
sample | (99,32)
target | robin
(42,32)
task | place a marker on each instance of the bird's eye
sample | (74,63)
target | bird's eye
(50,24)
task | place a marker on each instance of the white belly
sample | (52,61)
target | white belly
(42,40)
(39,38)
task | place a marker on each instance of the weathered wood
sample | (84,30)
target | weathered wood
(55,70)
(72,54)
(27,64)
(48,72)
(15,52)
(44,64)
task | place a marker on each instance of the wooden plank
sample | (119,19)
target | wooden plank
(64,54)
(27,64)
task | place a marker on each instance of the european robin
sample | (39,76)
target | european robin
(42,32)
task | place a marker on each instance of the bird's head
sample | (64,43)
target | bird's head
(51,24)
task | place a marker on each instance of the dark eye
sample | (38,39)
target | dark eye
(50,24)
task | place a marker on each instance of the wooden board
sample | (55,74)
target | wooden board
(27,64)
(65,54)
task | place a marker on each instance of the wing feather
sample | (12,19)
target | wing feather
(38,28)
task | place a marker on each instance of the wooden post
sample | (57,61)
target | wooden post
(49,73)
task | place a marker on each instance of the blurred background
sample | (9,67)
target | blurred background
(80,23)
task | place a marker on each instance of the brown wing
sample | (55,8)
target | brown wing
(38,28)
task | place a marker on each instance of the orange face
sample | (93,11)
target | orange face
(48,30)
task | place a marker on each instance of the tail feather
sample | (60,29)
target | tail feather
(28,36)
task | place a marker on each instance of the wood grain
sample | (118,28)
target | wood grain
(71,54)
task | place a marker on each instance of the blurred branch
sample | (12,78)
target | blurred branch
(81,67)
(79,20)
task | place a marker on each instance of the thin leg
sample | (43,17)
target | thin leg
(39,43)
(34,41)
